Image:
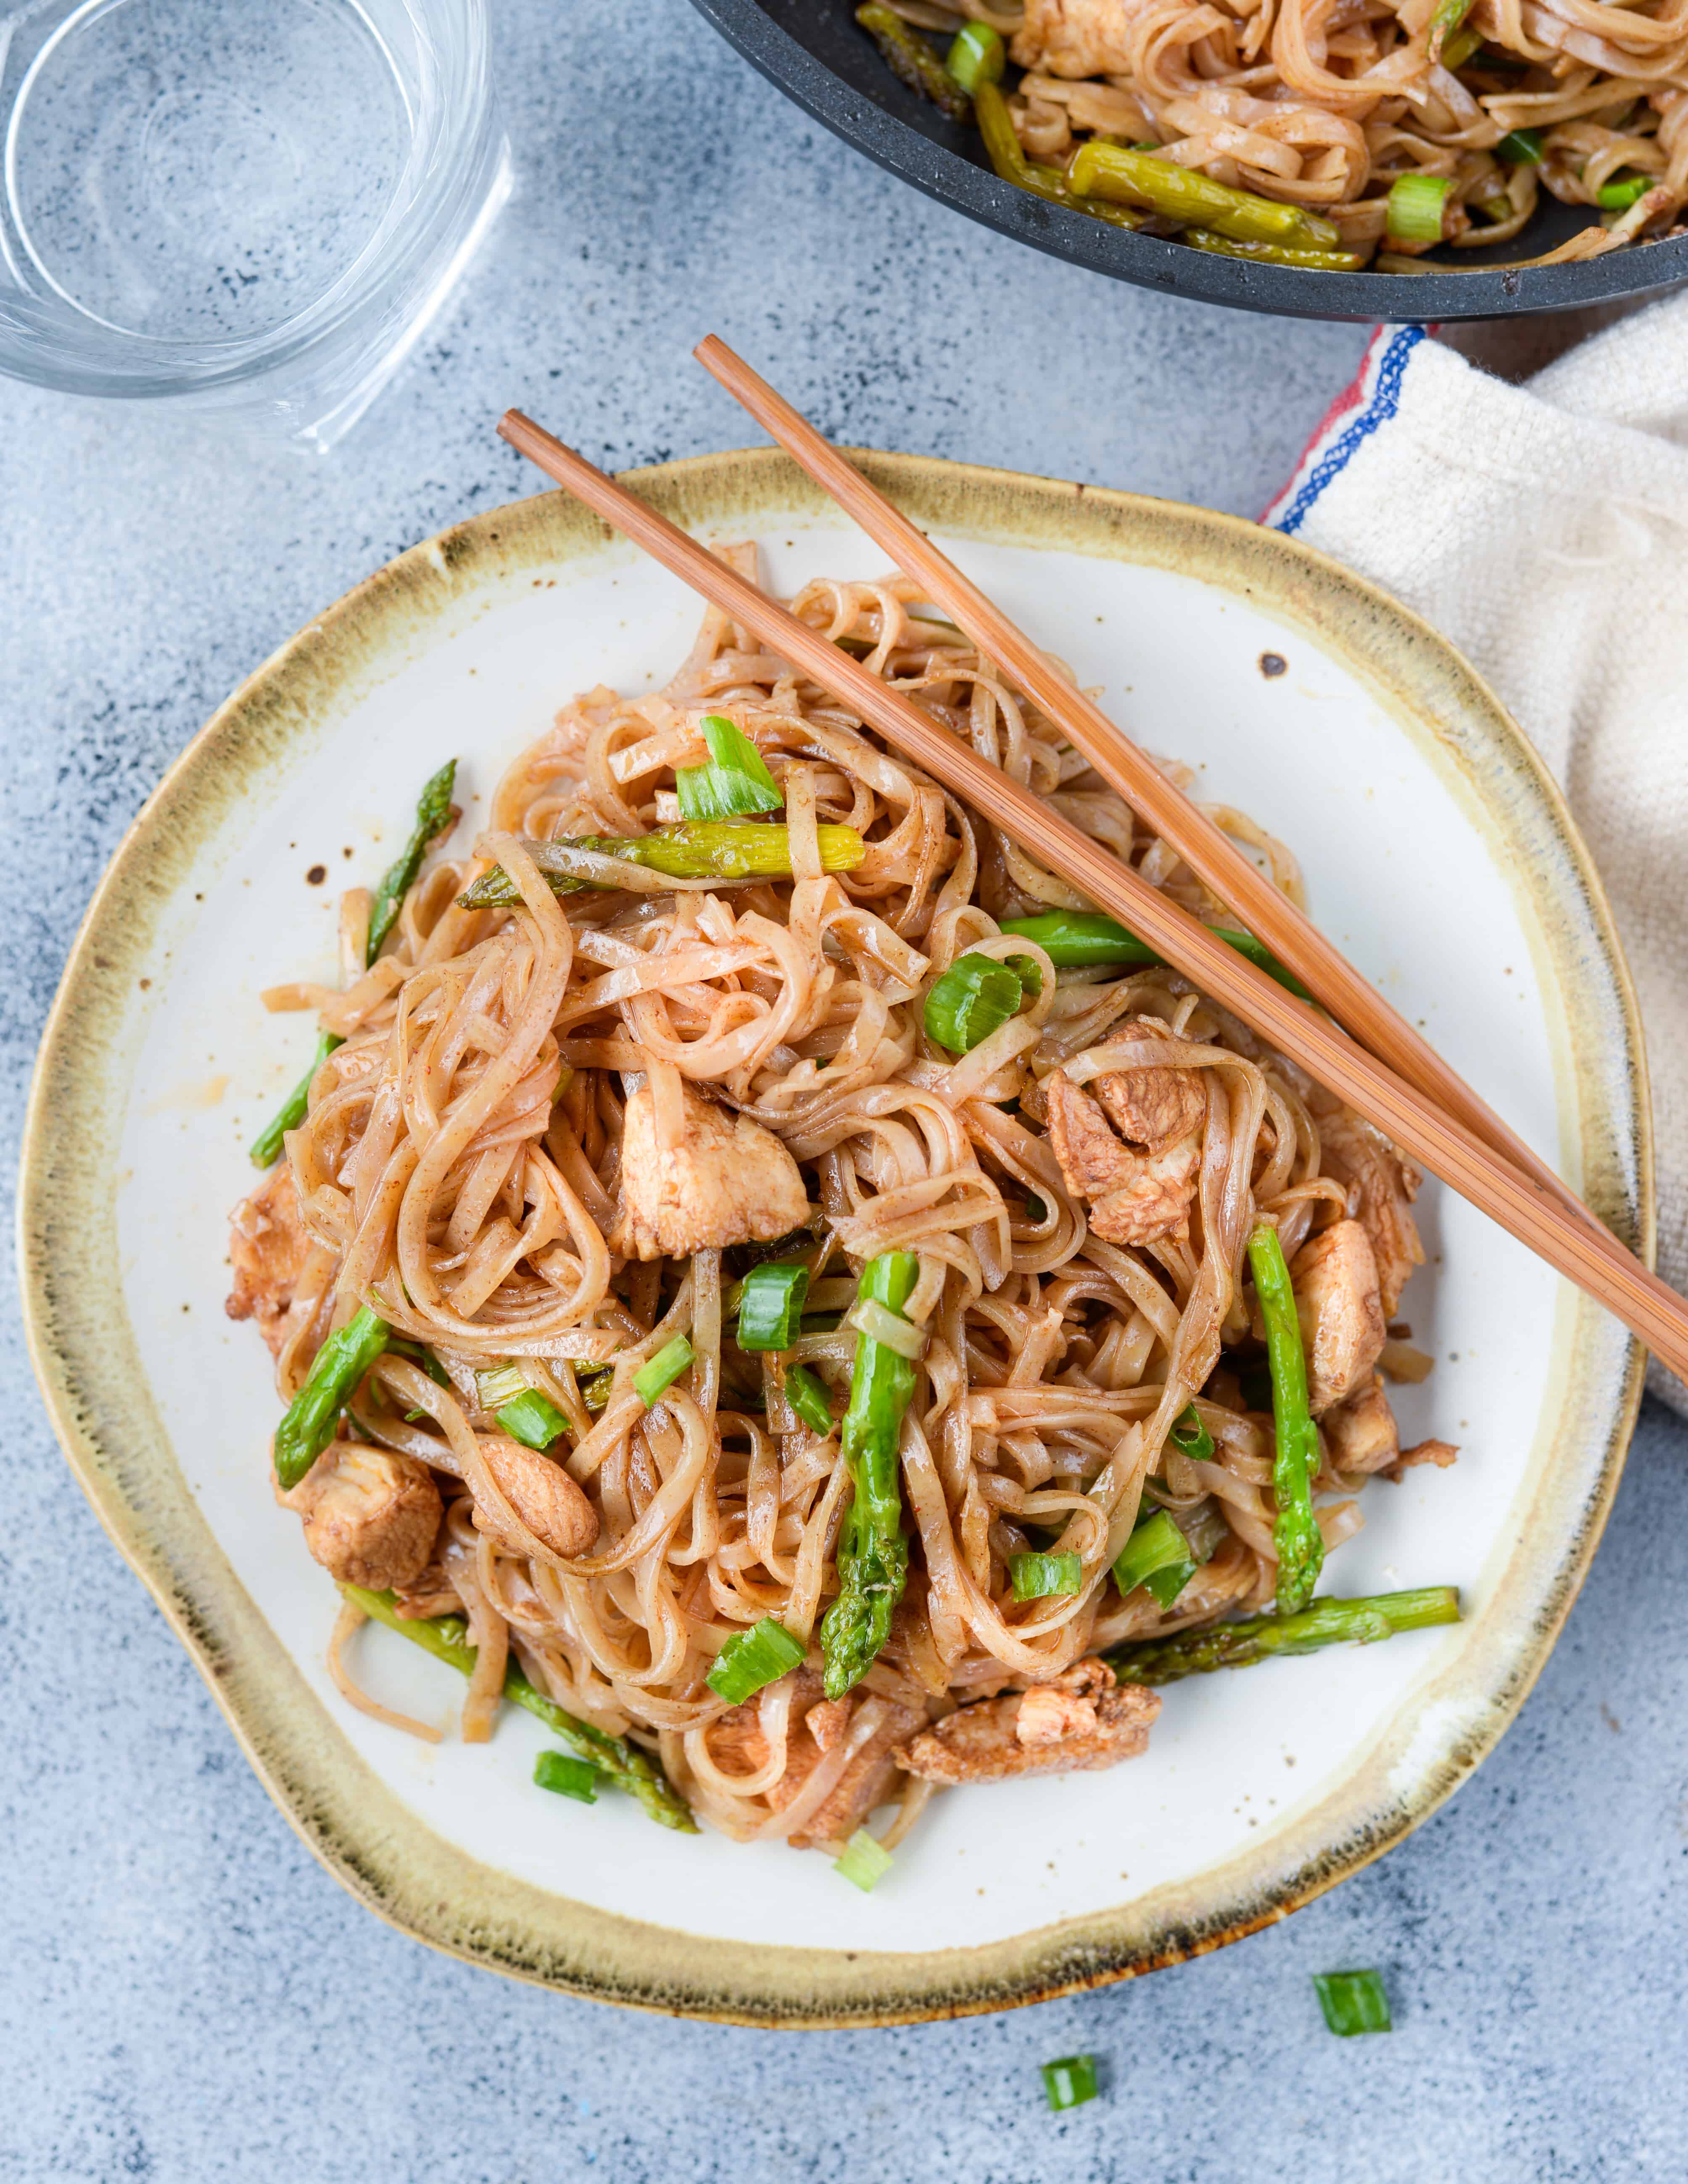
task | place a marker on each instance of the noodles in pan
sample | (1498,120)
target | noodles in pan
(799,1300)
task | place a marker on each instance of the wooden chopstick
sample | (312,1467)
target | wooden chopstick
(1579,1249)
(1267,912)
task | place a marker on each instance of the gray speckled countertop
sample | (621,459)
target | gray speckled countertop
(185,1994)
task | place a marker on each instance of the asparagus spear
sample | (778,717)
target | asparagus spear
(697,850)
(1310,259)
(1323,1622)
(1115,172)
(446,1637)
(434,816)
(912,61)
(1073,938)
(1295,1532)
(996,126)
(308,1426)
(873,1556)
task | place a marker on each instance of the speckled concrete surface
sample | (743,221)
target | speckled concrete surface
(185,1995)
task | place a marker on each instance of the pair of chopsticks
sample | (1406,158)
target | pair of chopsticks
(1386,1072)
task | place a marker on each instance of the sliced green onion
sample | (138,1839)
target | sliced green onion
(532,1419)
(975,56)
(569,1777)
(1189,1437)
(503,1383)
(1025,968)
(1035,1208)
(737,781)
(1156,1544)
(309,1424)
(1459,48)
(1416,204)
(663,1370)
(1074,940)
(594,1384)
(771,1306)
(1069,2082)
(880,1323)
(865,1861)
(807,1396)
(1045,1577)
(1446,19)
(751,1658)
(1621,192)
(1521,148)
(974,997)
(266,1146)
(1353,2002)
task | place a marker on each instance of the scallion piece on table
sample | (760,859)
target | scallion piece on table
(1189,1437)
(1071,2081)
(1294,1532)
(736,781)
(620,1761)
(1074,940)
(865,1861)
(663,1370)
(873,1556)
(1621,192)
(771,1306)
(1520,148)
(1239,1645)
(266,1147)
(1045,1577)
(1416,205)
(975,56)
(973,998)
(751,1659)
(807,1395)
(433,817)
(568,1777)
(1156,1549)
(700,849)
(1353,2002)
(308,1424)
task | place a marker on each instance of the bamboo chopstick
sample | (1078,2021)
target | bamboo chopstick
(1582,1251)
(1268,913)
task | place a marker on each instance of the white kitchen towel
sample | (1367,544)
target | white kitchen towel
(1544,529)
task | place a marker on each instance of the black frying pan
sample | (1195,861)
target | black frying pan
(814,51)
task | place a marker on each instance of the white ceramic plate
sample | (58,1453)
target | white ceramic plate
(1437,857)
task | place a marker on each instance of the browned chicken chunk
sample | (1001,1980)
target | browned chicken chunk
(1441,1453)
(1382,1185)
(1133,1195)
(1361,1432)
(1074,37)
(816,1725)
(370,1514)
(1335,1280)
(541,1494)
(1152,1107)
(1080,1722)
(268,1247)
(729,1181)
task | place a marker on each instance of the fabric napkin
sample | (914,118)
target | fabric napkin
(1543,529)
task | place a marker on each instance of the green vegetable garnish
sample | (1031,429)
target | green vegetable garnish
(912,61)
(1002,146)
(1114,171)
(1447,17)
(973,998)
(266,1147)
(1071,2081)
(1325,1623)
(975,56)
(751,1659)
(1189,1437)
(1045,1577)
(433,818)
(569,1777)
(771,1306)
(1352,2002)
(1295,1532)
(446,1637)
(1309,256)
(1157,1555)
(308,1424)
(865,1862)
(663,1370)
(1521,148)
(872,1554)
(736,781)
(1074,939)
(701,849)
(1621,192)
(532,1419)
(1416,204)
(807,1395)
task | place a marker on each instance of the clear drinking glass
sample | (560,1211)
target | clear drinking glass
(249,207)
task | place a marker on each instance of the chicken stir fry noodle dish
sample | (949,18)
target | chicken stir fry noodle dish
(763,1276)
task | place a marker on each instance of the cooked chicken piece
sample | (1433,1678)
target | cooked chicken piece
(1335,1280)
(431,1594)
(1079,1722)
(1441,1453)
(1074,37)
(729,1181)
(815,1726)
(541,1494)
(1382,1184)
(1152,1107)
(866,1783)
(1361,1432)
(1133,1196)
(370,1514)
(268,1247)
